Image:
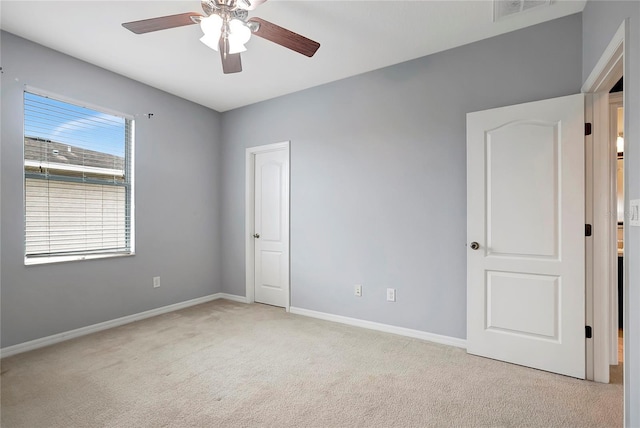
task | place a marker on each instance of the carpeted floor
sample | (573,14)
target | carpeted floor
(224,364)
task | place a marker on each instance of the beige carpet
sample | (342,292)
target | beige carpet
(225,364)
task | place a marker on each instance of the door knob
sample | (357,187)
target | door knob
(474,245)
(256,235)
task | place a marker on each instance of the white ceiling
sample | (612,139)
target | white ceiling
(356,36)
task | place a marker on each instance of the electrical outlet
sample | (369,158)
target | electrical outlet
(357,290)
(156,281)
(391,294)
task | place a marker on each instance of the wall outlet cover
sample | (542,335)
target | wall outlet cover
(357,290)
(391,294)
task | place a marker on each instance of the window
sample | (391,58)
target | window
(78,169)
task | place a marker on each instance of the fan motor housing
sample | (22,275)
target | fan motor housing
(231,6)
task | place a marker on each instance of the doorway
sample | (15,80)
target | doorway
(602,265)
(267,224)
(601,244)
(616,140)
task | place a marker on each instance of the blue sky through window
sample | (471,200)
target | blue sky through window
(70,124)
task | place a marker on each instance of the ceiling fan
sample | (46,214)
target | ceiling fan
(227,28)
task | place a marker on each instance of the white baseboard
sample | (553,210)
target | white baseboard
(61,337)
(67,335)
(233,297)
(417,334)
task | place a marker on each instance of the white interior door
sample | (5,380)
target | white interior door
(525,211)
(271,227)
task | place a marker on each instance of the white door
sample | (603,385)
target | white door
(525,211)
(271,227)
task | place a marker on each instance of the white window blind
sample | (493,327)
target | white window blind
(78,180)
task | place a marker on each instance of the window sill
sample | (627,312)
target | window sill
(62,259)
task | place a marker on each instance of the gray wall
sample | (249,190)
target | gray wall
(177,203)
(600,20)
(378,174)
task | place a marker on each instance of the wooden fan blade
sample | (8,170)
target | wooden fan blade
(231,63)
(284,37)
(161,23)
(252,4)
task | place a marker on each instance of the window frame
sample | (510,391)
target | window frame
(129,165)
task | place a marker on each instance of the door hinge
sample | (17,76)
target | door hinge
(587,230)
(587,128)
(588,331)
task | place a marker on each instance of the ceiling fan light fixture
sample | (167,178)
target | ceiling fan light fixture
(211,25)
(210,41)
(235,48)
(239,33)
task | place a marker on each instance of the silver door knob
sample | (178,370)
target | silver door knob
(474,245)
(256,235)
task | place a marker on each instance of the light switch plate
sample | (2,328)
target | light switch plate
(634,212)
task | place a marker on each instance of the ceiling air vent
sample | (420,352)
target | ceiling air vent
(505,8)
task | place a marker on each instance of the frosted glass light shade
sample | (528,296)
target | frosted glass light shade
(212,28)
(210,41)
(211,25)
(239,33)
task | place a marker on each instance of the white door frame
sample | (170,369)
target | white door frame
(250,217)
(605,74)
(615,101)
